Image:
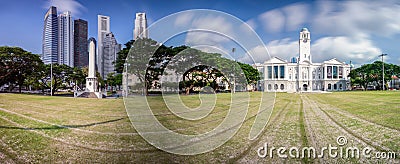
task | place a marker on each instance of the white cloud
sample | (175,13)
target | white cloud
(284,49)
(252,24)
(272,21)
(209,30)
(296,15)
(67,5)
(357,18)
(184,19)
(345,49)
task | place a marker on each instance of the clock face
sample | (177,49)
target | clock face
(304,40)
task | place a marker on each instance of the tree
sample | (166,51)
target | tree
(111,80)
(372,73)
(119,63)
(17,65)
(251,73)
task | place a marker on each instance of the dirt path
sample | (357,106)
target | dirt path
(324,129)
(284,131)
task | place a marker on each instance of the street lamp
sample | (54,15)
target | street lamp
(383,72)
(51,78)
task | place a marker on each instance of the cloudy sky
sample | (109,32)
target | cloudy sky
(356,31)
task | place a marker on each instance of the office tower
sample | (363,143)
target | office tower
(140,30)
(65,39)
(50,37)
(81,55)
(110,53)
(103,28)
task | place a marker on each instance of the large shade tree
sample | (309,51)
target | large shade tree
(18,65)
(372,74)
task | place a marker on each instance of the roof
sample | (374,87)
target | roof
(304,29)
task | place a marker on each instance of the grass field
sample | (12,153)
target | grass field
(42,129)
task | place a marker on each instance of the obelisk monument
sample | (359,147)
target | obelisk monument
(91,80)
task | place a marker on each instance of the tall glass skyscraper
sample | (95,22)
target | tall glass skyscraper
(140,30)
(103,28)
(66,39)
(81,55)
(110,53)
(50,37)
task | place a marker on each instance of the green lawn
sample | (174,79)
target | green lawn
(43,129)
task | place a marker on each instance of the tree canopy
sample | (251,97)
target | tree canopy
(369,74)
(147,60)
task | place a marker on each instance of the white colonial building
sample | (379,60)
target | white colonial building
(301,74)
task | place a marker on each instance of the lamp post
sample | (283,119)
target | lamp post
(51,78)
(383,72)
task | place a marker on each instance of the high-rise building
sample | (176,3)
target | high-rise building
(50,37)
(140,30)
(103,28)
(110,53)
(81,55)
(65,39)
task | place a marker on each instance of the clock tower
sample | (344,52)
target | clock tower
(304,46)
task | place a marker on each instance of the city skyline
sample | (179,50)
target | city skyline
(355,31)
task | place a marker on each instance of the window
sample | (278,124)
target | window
(335,86)
(335,72)
(290,76)
(282,73)
(341,86)
(275,72)
(329,86)
(276,86)
(269,72)
(340,72)
(329,70)
(269,87)
(282,87)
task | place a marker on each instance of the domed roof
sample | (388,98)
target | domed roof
(304,29)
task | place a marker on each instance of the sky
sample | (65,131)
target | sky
(356,31)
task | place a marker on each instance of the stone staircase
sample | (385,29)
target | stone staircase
(88,95)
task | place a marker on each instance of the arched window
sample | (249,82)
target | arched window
(341,86)
(282,87)
(329,86)
(335,86)
(269,87)
(276,86)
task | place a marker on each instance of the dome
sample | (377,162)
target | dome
(304,29)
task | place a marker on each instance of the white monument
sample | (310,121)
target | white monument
(91,80)
(92,84)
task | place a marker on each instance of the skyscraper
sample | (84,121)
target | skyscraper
(50,37)
(109,51)
(65,39)
(103,28)
(140,30)
(81,55)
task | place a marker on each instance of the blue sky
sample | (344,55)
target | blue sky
(348,30)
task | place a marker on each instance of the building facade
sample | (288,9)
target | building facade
(140,30)
(81,54)
(103,28)
(301,74)
(50,37)
(110,53)
(66,39)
